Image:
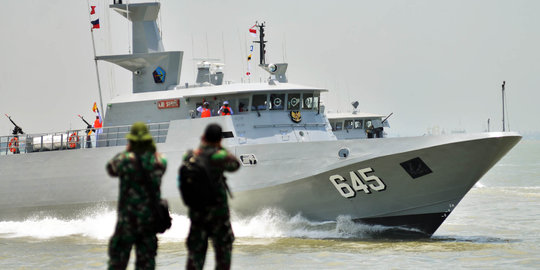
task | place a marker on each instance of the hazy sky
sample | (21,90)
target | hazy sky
(431,63)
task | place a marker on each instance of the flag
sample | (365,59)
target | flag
(95,24)
(253,31)
(94,108)
(94,18)
(249,57)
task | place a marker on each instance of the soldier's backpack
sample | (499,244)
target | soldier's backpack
(199,186)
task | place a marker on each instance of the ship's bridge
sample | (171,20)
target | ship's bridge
(261,113)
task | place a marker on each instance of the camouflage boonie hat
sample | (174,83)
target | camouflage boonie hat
(139,133)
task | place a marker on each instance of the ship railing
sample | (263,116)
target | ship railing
(116,135)
(75,139)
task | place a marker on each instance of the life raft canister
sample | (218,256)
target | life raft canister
(13,144)
(73,140)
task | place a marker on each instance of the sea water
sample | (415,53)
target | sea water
(496,226)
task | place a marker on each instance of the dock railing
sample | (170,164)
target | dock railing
(75,139)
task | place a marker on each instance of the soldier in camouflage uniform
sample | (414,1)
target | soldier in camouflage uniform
(212,221)
(134,213)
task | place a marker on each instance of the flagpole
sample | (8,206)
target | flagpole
(97,71)
(95,58)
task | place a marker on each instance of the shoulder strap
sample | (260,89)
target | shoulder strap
(220,177)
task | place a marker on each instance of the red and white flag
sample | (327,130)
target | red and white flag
(253,31)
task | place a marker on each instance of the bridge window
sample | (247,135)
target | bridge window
(243,105)
(316,102)
(348,124)
(259,102)
(307,102)
(293,102)
(277,101)
(339,126)
(357,124)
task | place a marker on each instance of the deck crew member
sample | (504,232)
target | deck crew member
(370,130)
(204,110)
(98,127)
(225,109)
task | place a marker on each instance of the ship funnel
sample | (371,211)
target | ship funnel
(153,68)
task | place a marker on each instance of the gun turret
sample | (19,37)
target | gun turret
(16,128)
(387,118)
(89,128)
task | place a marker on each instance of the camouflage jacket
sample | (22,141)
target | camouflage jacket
(220,161)
(134,199)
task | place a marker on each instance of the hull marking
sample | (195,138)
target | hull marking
(359,181)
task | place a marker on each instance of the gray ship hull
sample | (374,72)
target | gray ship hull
(373,184)
(420,204)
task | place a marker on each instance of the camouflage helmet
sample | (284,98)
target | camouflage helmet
(139,133)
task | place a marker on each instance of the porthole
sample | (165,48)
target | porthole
(343,152)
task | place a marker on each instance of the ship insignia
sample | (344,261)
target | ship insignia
(159,75)
(296,116)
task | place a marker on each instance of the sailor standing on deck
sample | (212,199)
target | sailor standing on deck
(204,110)
(225,109)
(98,124)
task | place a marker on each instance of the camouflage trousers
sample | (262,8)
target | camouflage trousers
(209,225)
(120,248)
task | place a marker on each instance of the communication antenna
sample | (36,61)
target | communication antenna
(160,27)
(128,27)
(284,45)
(503,105)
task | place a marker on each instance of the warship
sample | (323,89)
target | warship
(295,157)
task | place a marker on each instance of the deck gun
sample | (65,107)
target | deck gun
(386,118)
(16,129)
(89,128)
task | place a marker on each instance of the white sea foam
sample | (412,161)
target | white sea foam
(98,226)
(479,185)
(269,223)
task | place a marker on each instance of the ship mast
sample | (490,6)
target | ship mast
(261,42)
(277,71)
